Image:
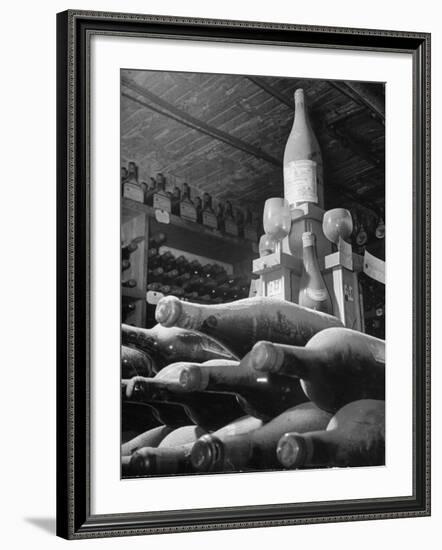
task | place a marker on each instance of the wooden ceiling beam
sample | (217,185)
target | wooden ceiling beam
(355,146)
(360,93)
(163,107)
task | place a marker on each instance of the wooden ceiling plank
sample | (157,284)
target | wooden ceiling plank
(361,94)
(161,106)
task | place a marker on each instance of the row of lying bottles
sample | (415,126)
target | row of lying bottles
(257,384)
(182,277)
(224,217)
(302,437)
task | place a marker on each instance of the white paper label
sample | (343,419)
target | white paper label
(209,220)
(153,297)
(374,267)
(188,211)
(133,191)
(162,202)
(300,182)
(162,216)
(317,294)
(274,288)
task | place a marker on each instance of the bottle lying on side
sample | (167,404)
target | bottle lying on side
(260,394)
(170,457)
(173,454)
(150,438)
(242,323)
(170,345)
(355,436)
(208,410)
(135,362)
(137,413)
(233,451)
(337,366)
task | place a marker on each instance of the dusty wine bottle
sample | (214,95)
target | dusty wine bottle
(170,345)
(255,448)
(208,215)
(176,200)
(301,158)
(336,366)
(259,394)
(128,249)
(168,414)
(355,436)
(243,323)
(313,292)
(170,457)
(161,198)
(129,283)
(187,208)
(150,438)
(135,362)
(208,410)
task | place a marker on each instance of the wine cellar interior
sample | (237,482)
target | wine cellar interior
(200,156)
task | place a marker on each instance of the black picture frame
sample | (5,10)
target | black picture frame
(74,518)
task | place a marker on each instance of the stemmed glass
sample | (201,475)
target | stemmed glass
(277,220)
(337,223)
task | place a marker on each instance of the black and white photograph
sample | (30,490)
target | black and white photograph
(252,273)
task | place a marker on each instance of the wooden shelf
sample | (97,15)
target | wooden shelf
(133,293)
(197,238)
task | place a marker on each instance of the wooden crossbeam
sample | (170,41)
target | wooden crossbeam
(159,105)
(362,95)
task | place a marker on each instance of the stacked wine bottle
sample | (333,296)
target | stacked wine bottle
(190,279)
(256,384)
(182,201)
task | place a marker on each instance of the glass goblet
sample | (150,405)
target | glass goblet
(337,223)
(266,245)
(277,218)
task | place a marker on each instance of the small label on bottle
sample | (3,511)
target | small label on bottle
(162,202)
(133,191)
(231,228)
(209,220)
(188,211)
(153,297)
(317,294)
(300,182)
(162,216)
(274,288)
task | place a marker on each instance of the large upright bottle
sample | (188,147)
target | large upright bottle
(210,411)
(256,448)
(261,395)
(336,366)
(313,292)
(355,436)
(242,323)
(302,159)
(170,345)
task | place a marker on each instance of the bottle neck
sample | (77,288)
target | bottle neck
(216,454)
(298,361)
(307,450)
(310,257)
